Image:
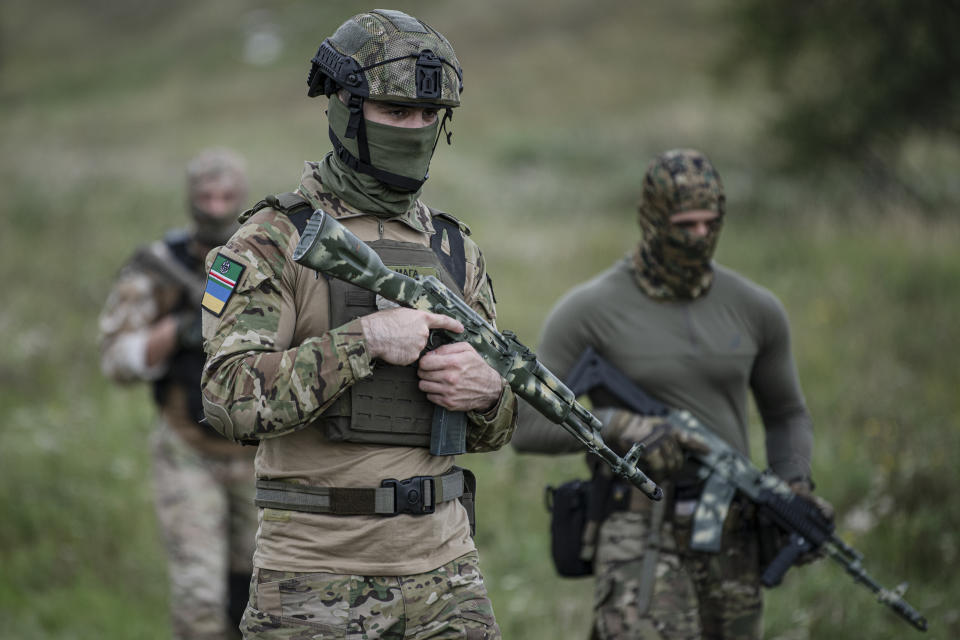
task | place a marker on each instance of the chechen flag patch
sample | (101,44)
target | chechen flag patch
(221,281)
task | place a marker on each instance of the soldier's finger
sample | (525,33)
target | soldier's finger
(692,442)
(825,507)
(433,361)
(654,461)
(453,347)
(438,369)
(462,356)
(433,387)
(440,321)
(638,429)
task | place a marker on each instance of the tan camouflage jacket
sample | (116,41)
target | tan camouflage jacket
(274,365)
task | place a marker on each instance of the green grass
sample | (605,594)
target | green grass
(564,106)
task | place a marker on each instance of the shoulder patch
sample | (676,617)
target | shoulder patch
(222,279)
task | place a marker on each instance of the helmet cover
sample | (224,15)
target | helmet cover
(390,56)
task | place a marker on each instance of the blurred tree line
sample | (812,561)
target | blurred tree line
(855,80)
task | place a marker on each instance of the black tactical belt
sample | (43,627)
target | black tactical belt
(417,496)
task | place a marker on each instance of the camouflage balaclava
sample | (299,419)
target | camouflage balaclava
(670,263)
(399,150)
(226,168)
(392,57)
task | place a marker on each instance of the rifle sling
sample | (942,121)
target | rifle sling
(711,513)
(648,567)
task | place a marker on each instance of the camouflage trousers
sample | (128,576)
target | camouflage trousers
(449,602)
(694,595)
(205,508)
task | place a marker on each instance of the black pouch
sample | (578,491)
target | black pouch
(469,499)
(568,505)
(577,509)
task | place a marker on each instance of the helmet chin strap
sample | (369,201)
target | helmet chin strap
(357,128)
(447,115)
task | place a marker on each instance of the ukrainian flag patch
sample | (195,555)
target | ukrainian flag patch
(222,279)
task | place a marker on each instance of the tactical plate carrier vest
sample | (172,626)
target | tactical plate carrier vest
(390,408)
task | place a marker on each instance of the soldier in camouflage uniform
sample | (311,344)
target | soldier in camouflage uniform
(696,336)
(150,331)
(365,532)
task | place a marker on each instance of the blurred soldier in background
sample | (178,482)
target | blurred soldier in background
(150,331)
(696,336)
(365,525)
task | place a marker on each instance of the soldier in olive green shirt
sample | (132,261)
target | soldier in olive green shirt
(696,336)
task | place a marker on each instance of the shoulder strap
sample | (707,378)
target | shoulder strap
(456,261)
(290,203)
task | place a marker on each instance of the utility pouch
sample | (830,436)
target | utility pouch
(448,433)
(568,505)
(577,509)
(469,499)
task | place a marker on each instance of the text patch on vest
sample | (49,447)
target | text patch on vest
(413,271)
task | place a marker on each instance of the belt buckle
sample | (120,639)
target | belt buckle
(408,495)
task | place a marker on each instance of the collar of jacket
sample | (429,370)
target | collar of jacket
(417,217)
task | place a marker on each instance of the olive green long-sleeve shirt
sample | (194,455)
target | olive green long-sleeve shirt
(701,355)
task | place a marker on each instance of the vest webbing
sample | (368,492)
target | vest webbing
(390,409)
(299,210)
(417,496)
(456,261)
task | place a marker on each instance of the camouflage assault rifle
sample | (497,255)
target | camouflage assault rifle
(159,257)
(727,471)
(327,246)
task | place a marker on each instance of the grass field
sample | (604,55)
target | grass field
(101,104)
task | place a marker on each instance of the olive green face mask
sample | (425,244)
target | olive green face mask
(396,150)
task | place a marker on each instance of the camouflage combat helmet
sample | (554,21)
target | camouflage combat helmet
(388,56)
